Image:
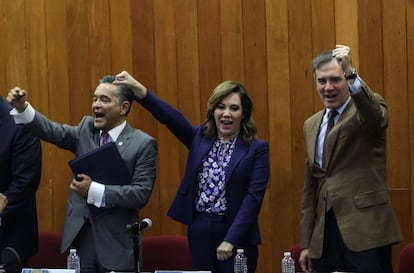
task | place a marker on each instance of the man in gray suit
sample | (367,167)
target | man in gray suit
(347,221)
(103,242)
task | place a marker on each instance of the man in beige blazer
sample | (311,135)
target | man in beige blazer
(347,222)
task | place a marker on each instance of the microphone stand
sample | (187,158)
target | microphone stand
(137,226)
(134,228)
(136,253)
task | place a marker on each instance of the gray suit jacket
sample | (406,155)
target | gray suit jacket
(114,244)
(354,178)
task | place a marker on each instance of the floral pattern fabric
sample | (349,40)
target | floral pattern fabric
(212,178)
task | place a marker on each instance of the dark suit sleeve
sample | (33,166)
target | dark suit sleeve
(170,117)
(26,156)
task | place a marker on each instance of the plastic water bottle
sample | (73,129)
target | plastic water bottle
(240,262)
(288,264)
(73,260)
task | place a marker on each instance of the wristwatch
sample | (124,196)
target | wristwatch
(351,76)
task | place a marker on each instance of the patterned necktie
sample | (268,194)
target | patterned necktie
(331,122)
(105,137)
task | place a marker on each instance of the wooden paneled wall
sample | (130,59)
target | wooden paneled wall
(181,49)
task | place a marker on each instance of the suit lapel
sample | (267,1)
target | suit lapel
(203,149)
(205,145)
(239,151)
(124,137)
(313,133)
(332,138)
(97,137)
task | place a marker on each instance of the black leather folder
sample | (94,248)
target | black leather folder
(103,164)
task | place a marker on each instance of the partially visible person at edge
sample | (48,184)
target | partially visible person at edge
(20,173)
(102,240)
(226,175)
(347,221)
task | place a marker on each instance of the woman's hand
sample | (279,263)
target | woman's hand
(124,78)
(224,251)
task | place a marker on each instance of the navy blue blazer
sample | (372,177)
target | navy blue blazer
(20,171)
(246,179)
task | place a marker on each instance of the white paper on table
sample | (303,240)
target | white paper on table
(47,270)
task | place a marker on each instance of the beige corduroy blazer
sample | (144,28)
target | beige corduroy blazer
(354,178)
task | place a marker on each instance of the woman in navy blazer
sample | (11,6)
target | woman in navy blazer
(226,175)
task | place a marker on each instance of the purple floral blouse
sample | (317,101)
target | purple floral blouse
(212,178)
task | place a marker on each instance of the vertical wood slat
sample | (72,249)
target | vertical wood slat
(15,60)
(255,80)
(346,24)
(36,52)
(396,94)
(255,61)
(410,72)
(232,35)
(370,28)
(211,63)
(3,47)
(121,38)
(58,94)
(143,62)
(181,50)
(143,42)
(37,76)
(78,61)
(188,84)
(166,77)
(99,42)
(323,27)
(121,33)
(302,94)
(187,52)
(323,38)
(280,142)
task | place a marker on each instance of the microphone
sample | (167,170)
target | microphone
(11,260)
(145,223)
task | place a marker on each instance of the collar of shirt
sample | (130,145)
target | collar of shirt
(322,130)
(339,110)
(116,131)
